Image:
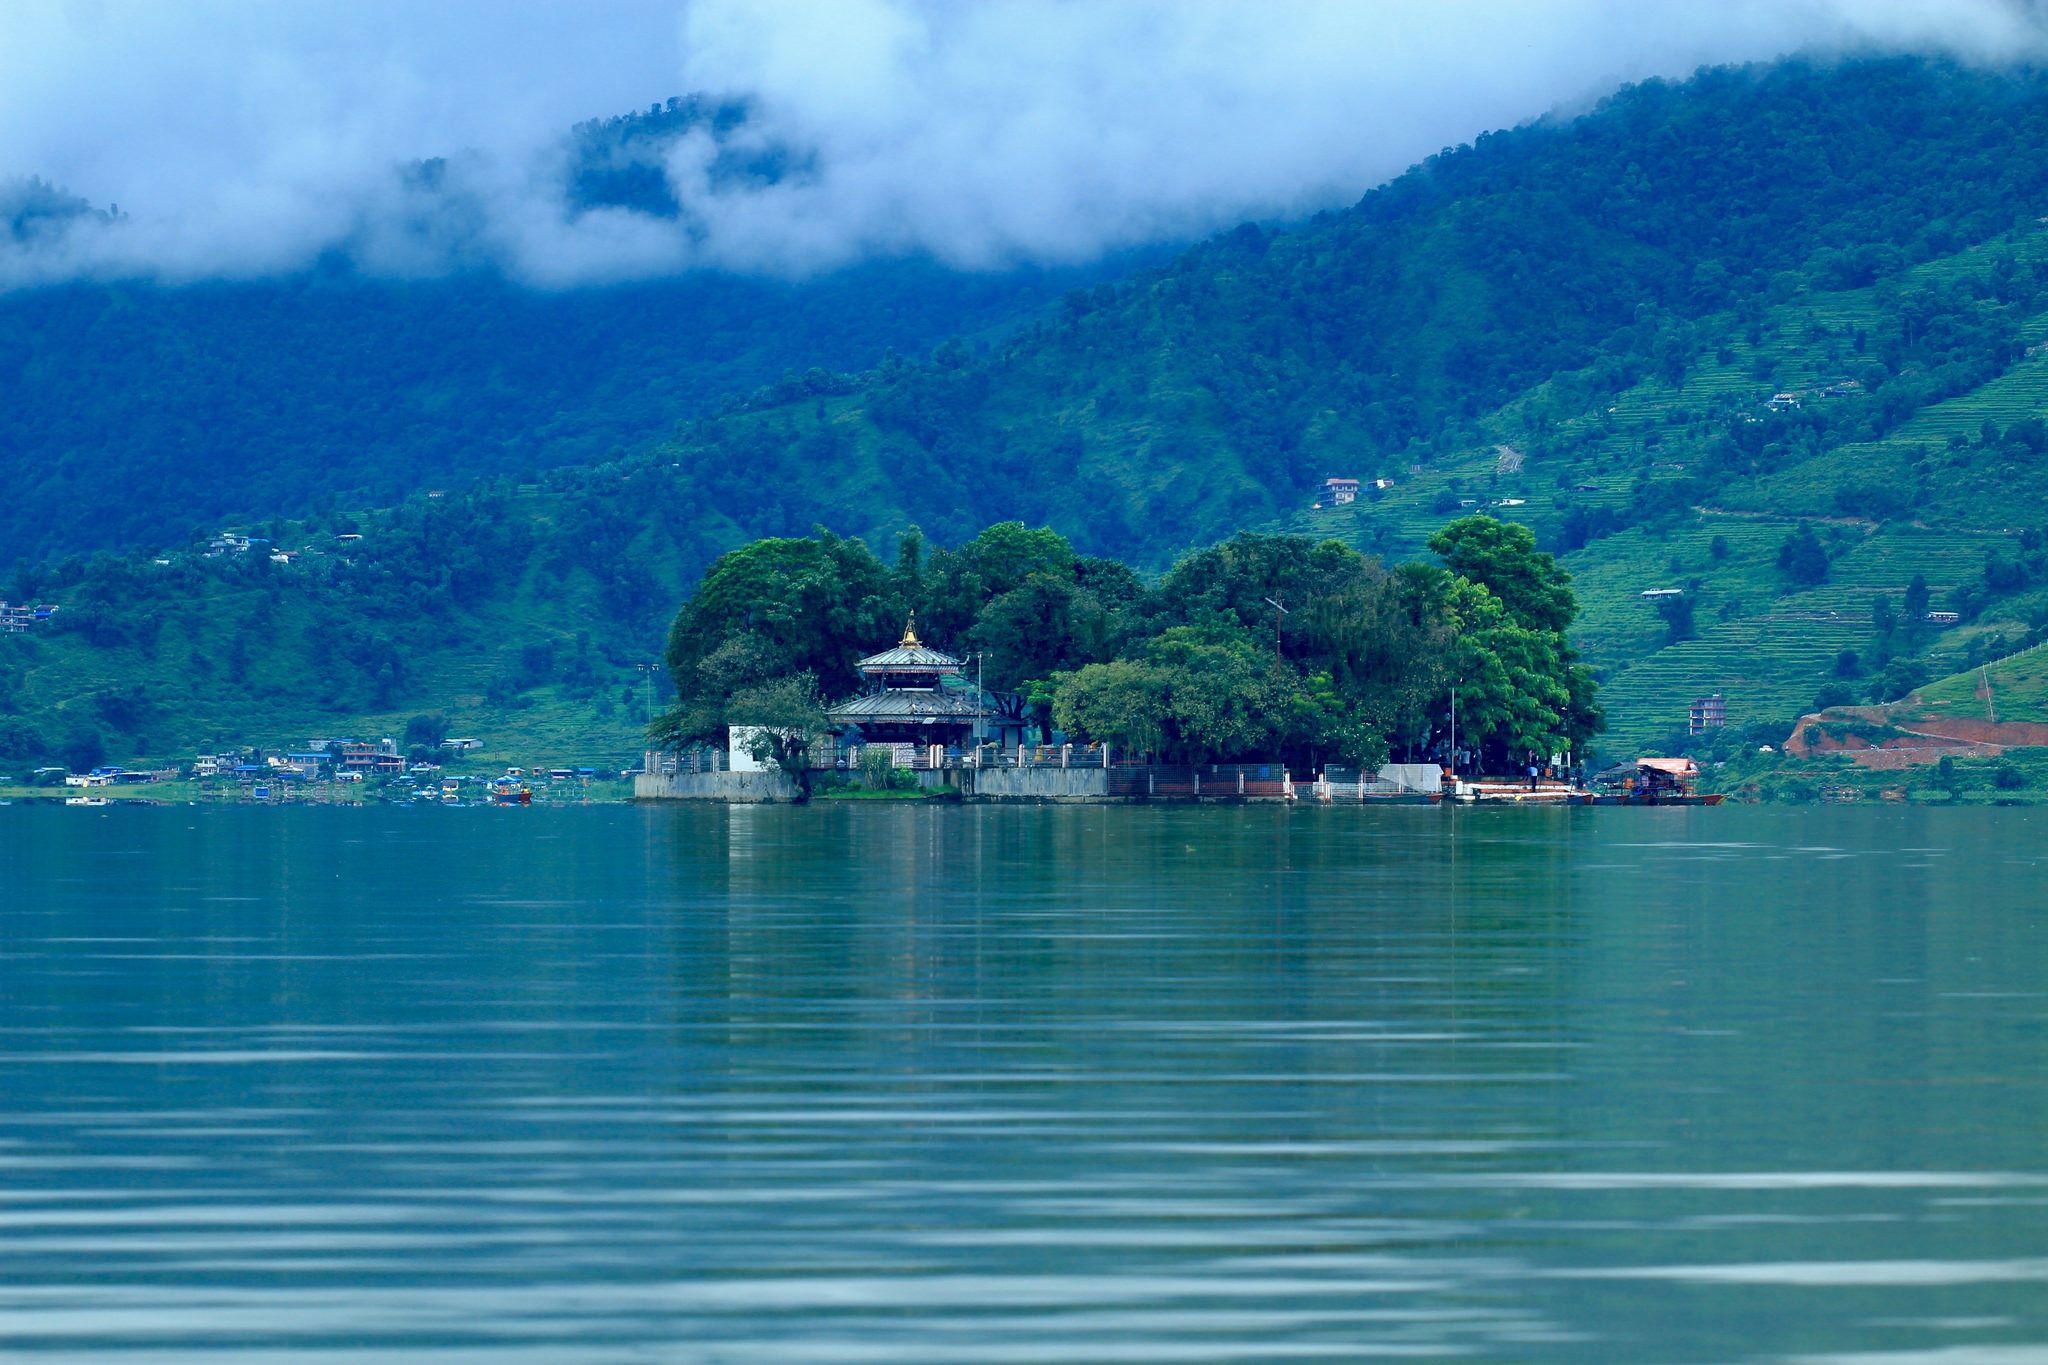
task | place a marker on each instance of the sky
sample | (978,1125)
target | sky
(241,139)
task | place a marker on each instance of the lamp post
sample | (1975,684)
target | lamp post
(980,705)
(648,671)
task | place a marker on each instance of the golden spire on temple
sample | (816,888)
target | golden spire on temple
(910,631)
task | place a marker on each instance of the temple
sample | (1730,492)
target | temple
(917,695)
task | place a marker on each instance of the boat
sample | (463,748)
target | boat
(1650,782)
(87,801)
(508,791)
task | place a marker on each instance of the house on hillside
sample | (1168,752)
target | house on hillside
(1653,594)
(14,620)
(1337,492)
(1783,402)
(1706,713)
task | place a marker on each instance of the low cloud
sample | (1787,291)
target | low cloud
(244,139)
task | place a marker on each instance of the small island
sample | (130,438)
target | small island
(1253,669)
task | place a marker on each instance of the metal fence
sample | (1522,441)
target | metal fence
(1207,782)
(662,763)
(1352,784)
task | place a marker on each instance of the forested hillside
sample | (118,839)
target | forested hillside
(1172,408)
(1769,337)
(133,414)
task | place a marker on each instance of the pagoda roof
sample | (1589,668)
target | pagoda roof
(903,704)
(909,656)
(909,653)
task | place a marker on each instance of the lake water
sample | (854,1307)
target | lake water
(1023,1084)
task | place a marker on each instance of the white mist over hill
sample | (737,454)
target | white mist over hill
(243,139)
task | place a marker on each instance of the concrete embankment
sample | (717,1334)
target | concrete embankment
(737,788)
(987,784)
(1038,784)
(1119,785)
(748,788)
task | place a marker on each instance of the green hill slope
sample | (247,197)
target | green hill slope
(1581,325)
(133,414)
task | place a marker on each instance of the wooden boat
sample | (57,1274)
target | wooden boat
(1650,782)
(1653,799)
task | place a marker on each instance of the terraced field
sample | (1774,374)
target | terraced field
(1767,669)
(2019,689)
(1767,650)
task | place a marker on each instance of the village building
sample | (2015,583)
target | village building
(1706,713)
(1338,492)
(381,759)
(15,619)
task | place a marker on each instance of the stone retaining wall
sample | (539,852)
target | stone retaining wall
(1038,784)
(742,788)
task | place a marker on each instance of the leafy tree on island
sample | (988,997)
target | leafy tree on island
(1354,662)
(779,718)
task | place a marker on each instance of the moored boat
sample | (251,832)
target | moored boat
(1650,782)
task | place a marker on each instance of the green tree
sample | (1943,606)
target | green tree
(1676,614)
(1802,558)
(1223,695)
(1502,557)
(779,719)
(1898,680)
(958,583)
(1918,595)
(1237,582)
(815,605)
(1515,686)
(1122,703)
(1046,624)
(427,732)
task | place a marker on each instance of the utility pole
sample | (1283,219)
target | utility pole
(1278,612)
(647,672)
(1454,729)
(980,706)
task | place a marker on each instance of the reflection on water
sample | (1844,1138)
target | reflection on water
(1023,1085)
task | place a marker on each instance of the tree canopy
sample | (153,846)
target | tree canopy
(1360,663)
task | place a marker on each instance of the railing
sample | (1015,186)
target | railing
(932,758)
(1205,782)
(660,763)
(1350,784)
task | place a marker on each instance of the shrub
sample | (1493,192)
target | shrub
(1833,694)
(877,767)
(1803,558)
